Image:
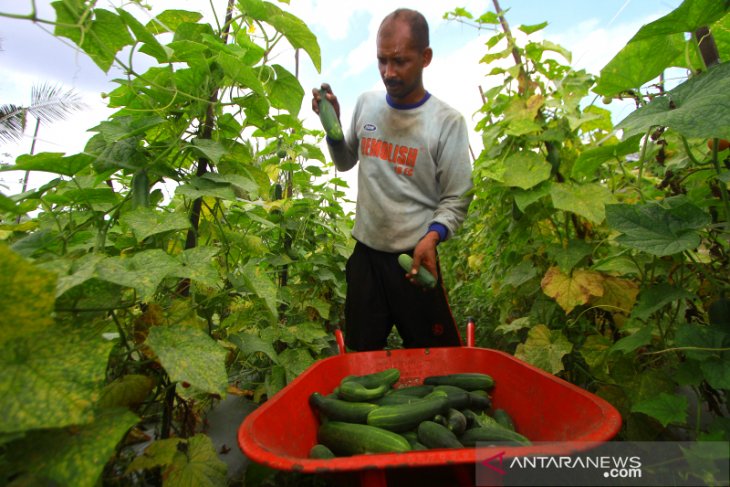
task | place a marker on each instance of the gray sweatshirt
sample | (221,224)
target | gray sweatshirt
(414,169)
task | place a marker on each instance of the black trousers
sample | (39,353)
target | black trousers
(379,296)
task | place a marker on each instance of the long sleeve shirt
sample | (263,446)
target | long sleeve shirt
(414,169)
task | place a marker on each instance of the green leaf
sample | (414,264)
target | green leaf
(595,350)
(121,128)
(665,408)
(150,45)
(524,198)
(143,271)
(656,297)
(241,184)
(196,465)
(656,229)
(146,222)
(259,283)
(717,371)
(569,255)
(544,348)
(27,296)
(688,17)
(204,187)
(639,62)
(127,391)
(589,161)
(525,170)
(52,162)
(236,68)
(323,307)
(587,200)
(630,343)
(295,361)
(198,266)
(703,337)
(170,20)
(520,274)
(51,378)
(530,29)
(249,343)
(293,28)
(309,332)
(515,325)
(159,453)
(71,456)
(7,204)
(210,149)
(81,270)
(692,108)
(285,91)
(101,39)
(189,355)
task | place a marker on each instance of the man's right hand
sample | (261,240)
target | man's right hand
(330,96)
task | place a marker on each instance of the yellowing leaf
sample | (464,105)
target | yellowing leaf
(544,348)
(572,290)
(619,295)
(27,295)
(196,464)
(75,455)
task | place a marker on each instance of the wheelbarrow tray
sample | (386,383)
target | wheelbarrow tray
(280,433)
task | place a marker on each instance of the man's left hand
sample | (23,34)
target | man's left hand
(425,255)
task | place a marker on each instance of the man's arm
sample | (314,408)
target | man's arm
(343,153)
(454,178)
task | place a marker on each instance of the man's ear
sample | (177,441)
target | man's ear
(427,56)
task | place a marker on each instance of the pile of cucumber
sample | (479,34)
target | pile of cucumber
(366,414)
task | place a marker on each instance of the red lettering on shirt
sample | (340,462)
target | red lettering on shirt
(398,155)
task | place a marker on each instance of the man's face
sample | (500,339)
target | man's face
(401,63)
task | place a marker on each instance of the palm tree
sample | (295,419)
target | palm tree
(48,104)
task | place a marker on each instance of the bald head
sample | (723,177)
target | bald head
(415,21)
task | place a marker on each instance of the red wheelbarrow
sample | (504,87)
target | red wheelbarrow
(545,408)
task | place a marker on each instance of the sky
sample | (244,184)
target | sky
(594,31)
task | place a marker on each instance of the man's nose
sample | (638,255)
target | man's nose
(388,71)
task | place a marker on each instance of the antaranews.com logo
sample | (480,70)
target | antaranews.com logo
(611,463)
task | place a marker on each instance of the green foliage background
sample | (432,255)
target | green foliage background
(598,252)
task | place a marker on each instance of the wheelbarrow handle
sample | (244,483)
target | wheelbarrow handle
(340,338)
(470,332)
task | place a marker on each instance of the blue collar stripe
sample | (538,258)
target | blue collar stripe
(407,106)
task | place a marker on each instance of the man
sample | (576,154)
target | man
(413,192)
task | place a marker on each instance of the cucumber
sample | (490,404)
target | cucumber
(470,381)
(338,410)
(434,435)
(393,399)
(328,117)
(403,417)
(423,277)
(455,421)
(141,190)
(418,391)
(387,377)
(492,433)
(321,452)
(458,397)
(353,439)
(471,418)
(479,400)
(356,392)
(504,419)
(412,438)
